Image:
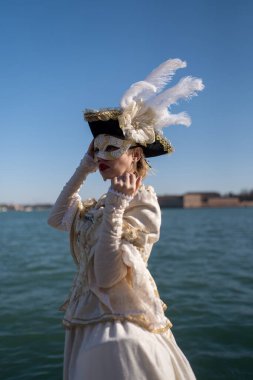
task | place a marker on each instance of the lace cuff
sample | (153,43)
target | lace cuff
(128,198)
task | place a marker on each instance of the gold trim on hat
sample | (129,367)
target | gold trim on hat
(165,143)
(103,114)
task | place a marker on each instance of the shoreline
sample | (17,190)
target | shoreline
(187,200)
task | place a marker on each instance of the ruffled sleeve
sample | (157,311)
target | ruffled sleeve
(109,267)
(141,229)
(142,221)
(133,224)
(66,205)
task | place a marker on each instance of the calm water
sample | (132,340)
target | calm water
(203,267)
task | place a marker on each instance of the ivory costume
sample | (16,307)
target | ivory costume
(115,324)
(114,318)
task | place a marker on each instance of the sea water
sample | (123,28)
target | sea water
(203,267)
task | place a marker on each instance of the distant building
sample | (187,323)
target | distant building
(196,200)
(224,202)
(192,200)
(246,203)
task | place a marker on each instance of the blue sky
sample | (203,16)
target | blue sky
(59,57)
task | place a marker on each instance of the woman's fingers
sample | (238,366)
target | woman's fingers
(90,150)
(127,184)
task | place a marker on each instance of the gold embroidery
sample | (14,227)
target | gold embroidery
(103,114)
(86,206)
(165,143)
(132,234)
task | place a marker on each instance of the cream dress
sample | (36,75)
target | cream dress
(114,318)
(123,351)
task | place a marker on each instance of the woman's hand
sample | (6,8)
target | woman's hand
(127,184)
(90,150)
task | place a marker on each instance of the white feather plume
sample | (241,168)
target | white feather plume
(146,108)
(186,88)
(162,75)
(153,83)
(166,119)
(140,90)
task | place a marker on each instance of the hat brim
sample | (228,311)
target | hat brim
(111,127)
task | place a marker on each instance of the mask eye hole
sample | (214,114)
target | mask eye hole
(111,148)
(96,150)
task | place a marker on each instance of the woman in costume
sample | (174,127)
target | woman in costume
(114,318)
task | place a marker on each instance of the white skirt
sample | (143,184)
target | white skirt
(122,351)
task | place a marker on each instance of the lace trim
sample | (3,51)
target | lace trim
(139,320)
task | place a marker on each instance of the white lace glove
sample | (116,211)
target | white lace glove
(63,212)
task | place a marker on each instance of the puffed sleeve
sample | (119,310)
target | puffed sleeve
(142,221)
(142,217)
(65,207)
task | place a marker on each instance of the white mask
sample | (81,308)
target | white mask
(110,147)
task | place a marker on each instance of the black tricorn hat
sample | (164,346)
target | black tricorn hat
(105,121)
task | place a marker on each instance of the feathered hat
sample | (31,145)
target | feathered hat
(144,110)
